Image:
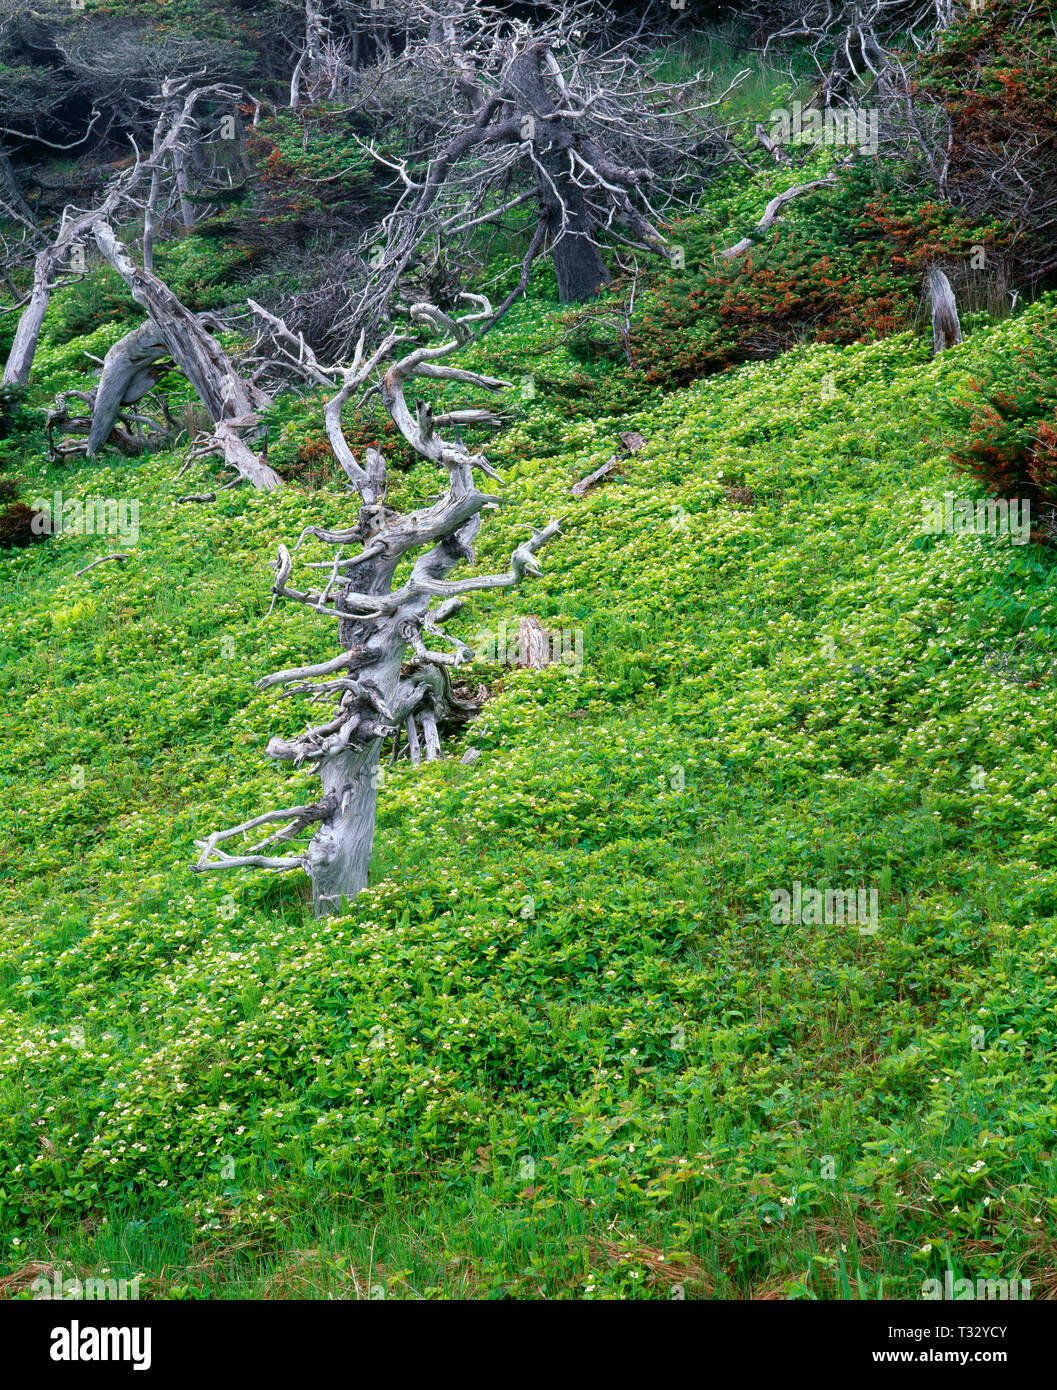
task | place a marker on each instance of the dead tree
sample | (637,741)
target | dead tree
(131,433)
(307,67)
(854,43)
(388,678)
(571,143)
(75,225)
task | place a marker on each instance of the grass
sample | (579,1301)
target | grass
(559,1048)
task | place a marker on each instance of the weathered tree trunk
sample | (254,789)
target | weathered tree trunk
(183,189)
(578,262)
(126,377)
(27,334)
(311,55)
(339,854)
(946,326)
(231,402)
(533,644)
(150,220)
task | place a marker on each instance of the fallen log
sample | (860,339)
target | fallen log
(610,466)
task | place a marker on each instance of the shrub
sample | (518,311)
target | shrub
(995,77)
(845,265)
(1007,427)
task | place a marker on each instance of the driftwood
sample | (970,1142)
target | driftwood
(102,560)
(611,465)
(632,442)
(389,680)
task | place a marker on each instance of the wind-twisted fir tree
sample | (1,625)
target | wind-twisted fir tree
(387,681)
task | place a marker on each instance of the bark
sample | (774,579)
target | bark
(339,855)
(570,225)
(578,263)
(126,377)
(11,194)
(533,644)
(27,334)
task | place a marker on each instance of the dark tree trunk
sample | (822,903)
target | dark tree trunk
(578,262)
(10,191)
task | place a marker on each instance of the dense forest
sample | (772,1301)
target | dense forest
(528,636)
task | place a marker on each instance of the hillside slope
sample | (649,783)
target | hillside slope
(560,1046)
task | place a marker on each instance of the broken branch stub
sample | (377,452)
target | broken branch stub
(534,644)
(631,442)
(946,326)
